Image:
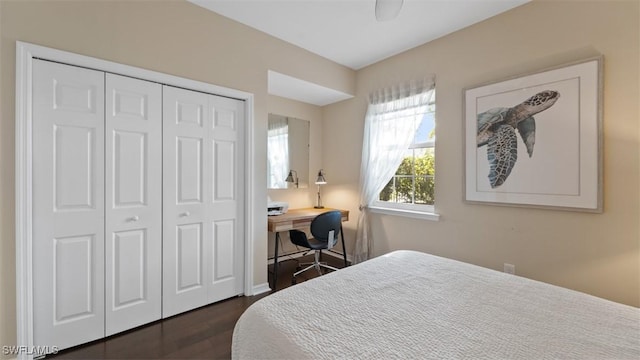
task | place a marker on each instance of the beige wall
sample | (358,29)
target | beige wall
(594,253)
(173,37)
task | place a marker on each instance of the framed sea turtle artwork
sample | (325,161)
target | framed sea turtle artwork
(536,140)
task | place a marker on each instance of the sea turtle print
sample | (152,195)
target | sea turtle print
(496,129)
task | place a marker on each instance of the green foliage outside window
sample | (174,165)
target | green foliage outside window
(414,180)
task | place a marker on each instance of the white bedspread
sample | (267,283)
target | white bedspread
(410,305)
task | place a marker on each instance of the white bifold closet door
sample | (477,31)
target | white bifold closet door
(97,174)
(202,202)
(68,204)
(133,217)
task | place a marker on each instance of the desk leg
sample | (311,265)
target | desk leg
(275,262)
(344,249)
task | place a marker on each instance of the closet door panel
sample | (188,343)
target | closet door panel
(226,246)
(186,176)
(73,296)
(73,148)
(130,162)
(134,202)
(129,270)
(189,257)
(68,204)
(189,168)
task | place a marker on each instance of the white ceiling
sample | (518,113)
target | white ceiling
(346,31)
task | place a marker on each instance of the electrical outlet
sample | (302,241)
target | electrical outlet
(510,269)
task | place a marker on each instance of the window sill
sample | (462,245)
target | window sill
(405,213)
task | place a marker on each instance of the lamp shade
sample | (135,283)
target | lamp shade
(290,177)
(320,180)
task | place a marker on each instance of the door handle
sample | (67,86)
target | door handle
(185,214)
(134,218)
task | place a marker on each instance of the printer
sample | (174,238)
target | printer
(276,207)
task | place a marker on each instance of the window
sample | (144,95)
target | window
(413,185)
(396,171)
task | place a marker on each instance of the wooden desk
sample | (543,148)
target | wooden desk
(298,219)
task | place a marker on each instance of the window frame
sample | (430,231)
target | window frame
(416,211)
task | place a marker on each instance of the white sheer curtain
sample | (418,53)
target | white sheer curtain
(392,118)
(278,153)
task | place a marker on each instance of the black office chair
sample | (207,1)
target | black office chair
(325,229)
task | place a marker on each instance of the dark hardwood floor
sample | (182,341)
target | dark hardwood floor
(203,333)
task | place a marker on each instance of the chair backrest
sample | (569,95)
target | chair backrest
(324,223)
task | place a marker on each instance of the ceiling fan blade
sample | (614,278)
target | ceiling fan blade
(388,9)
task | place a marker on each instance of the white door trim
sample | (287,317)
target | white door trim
(25,52)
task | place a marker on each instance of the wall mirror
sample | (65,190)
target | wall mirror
(287,153)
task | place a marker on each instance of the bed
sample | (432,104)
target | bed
(410,305)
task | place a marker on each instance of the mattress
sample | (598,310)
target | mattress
(411,305)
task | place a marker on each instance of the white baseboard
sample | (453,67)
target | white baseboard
(337,255)
(264,287)
(298,254)
(260,289)
(283,257)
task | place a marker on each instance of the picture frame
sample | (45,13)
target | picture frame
(535,140)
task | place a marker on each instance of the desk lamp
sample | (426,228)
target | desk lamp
(320,180)
(292,178)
